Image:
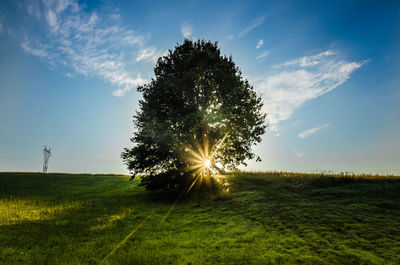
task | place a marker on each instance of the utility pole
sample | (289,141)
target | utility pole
(46,157)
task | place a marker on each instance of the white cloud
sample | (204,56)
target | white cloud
(187,30)
(33,10)
(40,52)
(52,20)
(311,131)
(126,83)
(87,43)
(255,23)
(263,55)
(300,80)
(150,54)
(61,5)
(307,61)
(259,44)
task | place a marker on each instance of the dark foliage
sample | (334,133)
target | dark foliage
(197,96)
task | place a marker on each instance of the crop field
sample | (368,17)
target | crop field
(256,218)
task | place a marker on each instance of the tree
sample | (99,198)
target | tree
(197,114)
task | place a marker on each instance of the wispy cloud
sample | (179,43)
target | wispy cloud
(311,131)
(87,43)
(259,44)
(263,55)
(297,81)
(40,52)
(306,61)
(125,82)
(33,10)
(187,30)
(255,23)
(150,54)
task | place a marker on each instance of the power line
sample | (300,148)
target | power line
(46,157)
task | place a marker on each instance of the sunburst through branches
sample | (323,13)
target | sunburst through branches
(202,157)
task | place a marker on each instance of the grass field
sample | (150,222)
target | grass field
(264,218)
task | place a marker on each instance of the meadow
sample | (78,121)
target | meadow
(257,218)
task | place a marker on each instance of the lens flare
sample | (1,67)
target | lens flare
(201,157)
(207,163)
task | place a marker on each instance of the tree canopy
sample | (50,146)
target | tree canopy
(198,113)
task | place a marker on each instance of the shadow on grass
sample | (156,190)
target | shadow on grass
(340,213)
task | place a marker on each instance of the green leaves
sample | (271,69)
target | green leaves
(196,95)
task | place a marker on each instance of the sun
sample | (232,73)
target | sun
(201,157)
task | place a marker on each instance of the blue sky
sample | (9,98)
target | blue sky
(328,72)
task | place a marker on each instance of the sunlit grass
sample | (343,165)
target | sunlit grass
(259,218)
(15,210)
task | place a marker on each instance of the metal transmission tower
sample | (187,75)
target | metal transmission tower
(46,157)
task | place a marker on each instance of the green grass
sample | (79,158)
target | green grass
(264,218)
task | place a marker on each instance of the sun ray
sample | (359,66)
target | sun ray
(192,167)
(201,157)
(195,154)
(214,147)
